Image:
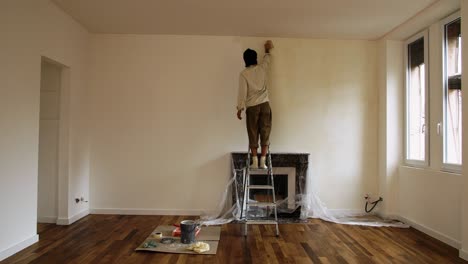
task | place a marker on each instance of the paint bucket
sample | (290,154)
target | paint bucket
(187,231)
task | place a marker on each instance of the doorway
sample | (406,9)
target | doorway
(49,131)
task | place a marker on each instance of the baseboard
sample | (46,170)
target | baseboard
(127,211)
(18,247)
(433,233)
(463,254)
(71,220)
(47,219)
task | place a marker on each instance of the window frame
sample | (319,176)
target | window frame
(449,167)
(411,162)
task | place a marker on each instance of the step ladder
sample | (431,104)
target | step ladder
(247,204)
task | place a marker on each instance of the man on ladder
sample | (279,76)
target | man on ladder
(253,96)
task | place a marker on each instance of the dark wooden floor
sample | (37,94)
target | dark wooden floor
(113,238)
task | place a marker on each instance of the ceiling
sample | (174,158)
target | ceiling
(342,19)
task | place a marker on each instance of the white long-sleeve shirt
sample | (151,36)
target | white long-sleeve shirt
(253,88)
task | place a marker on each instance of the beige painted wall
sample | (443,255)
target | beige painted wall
(464,176)
(163,118)
(31,29)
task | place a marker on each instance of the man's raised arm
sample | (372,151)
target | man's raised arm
(266,59)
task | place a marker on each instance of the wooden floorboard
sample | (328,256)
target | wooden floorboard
(113,239)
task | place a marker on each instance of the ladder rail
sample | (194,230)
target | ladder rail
(270,168)
(246,175)
(246,190)
(270,186)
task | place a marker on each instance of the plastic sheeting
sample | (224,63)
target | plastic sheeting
(233,213)
(314,208)
(311,207)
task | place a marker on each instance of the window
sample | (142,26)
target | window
(452,94)
(416,53)
(445,152)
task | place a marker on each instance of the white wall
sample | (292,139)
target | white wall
(464,179)
(391,81)
(382,127)
(163,121)
(31,29)
(431,199)
(428,198)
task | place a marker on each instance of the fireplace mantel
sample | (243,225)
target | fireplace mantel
(299,161)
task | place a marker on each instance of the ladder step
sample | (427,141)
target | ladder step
(262,187)
(261,222)
(261,204)
(258,169)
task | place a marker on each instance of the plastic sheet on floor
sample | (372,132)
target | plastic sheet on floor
(311,207)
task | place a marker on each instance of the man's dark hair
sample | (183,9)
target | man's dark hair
(250,57)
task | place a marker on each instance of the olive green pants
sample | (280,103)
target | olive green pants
(259,123)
